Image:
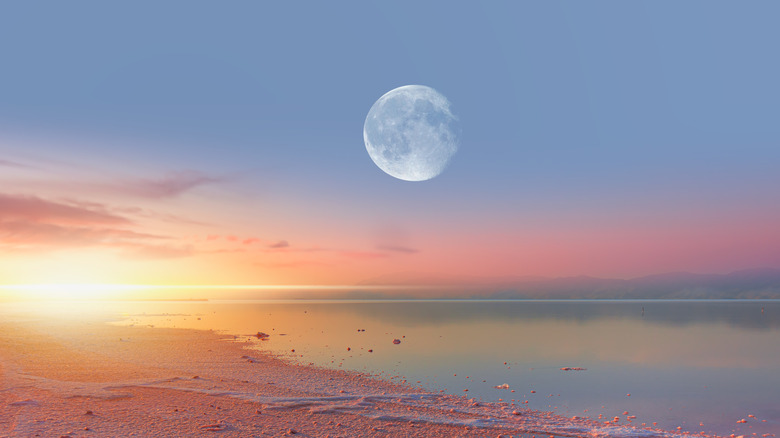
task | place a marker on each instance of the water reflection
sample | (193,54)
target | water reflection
(741,314)
(685,363)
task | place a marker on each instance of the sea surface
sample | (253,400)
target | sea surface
(693,365)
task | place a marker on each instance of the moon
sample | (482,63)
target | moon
(411,133)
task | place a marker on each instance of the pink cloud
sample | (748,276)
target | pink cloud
(363,255)
(33,223)
(35,234)
(8,163)
(397,248)
(280,244)
(171,185)
(34,209)
(292,264)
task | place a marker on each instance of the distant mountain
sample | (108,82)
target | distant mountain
(763,283)
(746,284)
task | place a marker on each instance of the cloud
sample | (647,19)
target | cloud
(34,223)
(363,255)
(248,241)
(23,234)
(169,186)
(292,264)
(397,248)
(8,163)
(166,186)
(151,214)
(34,209)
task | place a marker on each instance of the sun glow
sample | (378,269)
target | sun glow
(69,291)
(141,292)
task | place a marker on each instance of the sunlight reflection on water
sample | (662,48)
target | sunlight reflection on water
(683,362)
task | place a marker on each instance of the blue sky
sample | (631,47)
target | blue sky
(572,112)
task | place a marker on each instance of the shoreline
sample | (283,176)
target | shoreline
(91,378)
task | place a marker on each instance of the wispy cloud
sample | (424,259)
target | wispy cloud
(397,248)
(292,264)
(34,223)
(9,163)
(363,255)
(34,209)
(280,244)
(166,186)
(23,234)
(170,185)
(252,240)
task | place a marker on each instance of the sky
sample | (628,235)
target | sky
(221,143)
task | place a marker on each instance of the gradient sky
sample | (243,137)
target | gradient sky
(221,143)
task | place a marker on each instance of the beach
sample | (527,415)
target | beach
(84,377)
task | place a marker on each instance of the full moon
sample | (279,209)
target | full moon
(411,133)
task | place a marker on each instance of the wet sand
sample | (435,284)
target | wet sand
(77,378)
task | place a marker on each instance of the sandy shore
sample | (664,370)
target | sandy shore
(81,378)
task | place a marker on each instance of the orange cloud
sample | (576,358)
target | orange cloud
(363,255)
(279,244)
(33,223)
(33,209)
(397,248)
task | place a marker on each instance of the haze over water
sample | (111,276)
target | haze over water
(685,363)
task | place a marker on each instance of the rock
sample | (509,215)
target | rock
(396,341)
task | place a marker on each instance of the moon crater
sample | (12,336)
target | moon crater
(411,133)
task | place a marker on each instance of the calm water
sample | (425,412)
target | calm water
(701,366)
